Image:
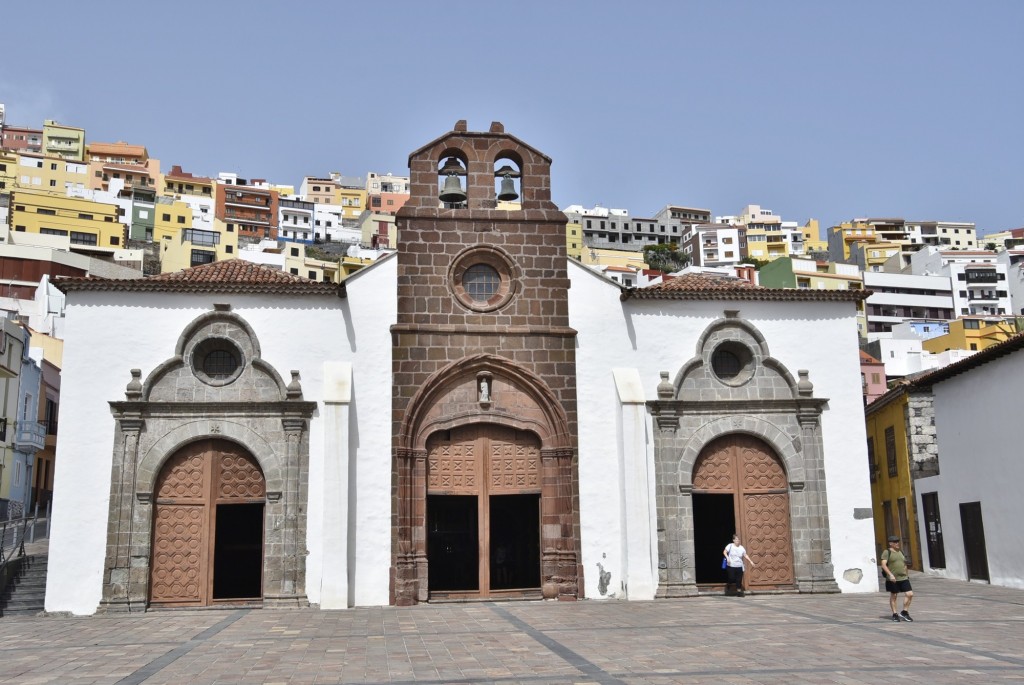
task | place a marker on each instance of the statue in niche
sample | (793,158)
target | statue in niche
(485,390)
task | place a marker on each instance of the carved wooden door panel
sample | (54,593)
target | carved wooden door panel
(190,485)
(482,460)
(747,468)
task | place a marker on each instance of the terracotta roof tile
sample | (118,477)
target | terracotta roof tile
(865,357)
(230,276)
(705,287)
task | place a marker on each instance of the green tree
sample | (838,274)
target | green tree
(665,257)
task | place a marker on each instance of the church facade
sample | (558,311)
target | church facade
(475,417)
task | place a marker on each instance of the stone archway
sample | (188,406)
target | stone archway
(486,401)
(208,522)
(747,470)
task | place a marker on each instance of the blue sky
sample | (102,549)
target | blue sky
(831,110)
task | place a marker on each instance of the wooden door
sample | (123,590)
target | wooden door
(190,487)
(480,461)
(748,469)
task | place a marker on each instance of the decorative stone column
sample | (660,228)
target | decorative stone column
(286,586)
(674,500)
(812,556)
(124,590)
(410,581)
(559,562)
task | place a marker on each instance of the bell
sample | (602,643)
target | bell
(452,191)
(508,189)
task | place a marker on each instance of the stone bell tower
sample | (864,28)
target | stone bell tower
(485,498)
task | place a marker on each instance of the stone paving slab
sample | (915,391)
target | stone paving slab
(963,633)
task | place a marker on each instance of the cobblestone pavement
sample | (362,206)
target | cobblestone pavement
(963,632)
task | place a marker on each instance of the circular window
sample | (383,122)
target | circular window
(481,278)
(732,363)
(217,361)
(481,282)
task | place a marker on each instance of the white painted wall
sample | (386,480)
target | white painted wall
(657,335)
(294,333)
(976,414)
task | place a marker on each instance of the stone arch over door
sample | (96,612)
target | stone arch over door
(733,389)
(214,388)
(490,394)
(208,527)
(747,470)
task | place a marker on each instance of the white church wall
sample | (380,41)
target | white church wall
(975,416)
(661,335)
(110,333)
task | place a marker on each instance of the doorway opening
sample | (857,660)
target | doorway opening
(714,524)
(974,541)
(515,542)
(452,546)
(238,551)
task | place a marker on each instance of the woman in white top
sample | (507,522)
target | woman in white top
(735,554)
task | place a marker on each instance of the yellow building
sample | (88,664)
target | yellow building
(593,256)
(813,241)
(972,333)
(874,255)
(66,142)
(8,169)
(846,234)
(181,245)
(892,490)
(574,240)
(352,201)
(378,231)
(87,226)
(298,263)
(46,174)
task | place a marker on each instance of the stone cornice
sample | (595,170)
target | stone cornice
(713,407)
(207,409)
(553,331)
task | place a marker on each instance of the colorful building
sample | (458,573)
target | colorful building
(248,211)
(891,421)
(973,333)
(66,142)
(87,226)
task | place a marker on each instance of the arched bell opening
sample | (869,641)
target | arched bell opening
(740,486)
(452,168)
(208,527)
(508,180)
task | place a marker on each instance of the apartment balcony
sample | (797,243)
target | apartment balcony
(247,218)
(979,278)
(60,145)
(983,297)
(241,200)
(30,436)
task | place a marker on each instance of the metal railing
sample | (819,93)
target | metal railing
(16,532)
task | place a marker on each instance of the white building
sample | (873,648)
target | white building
(583,424)
(897,298)
(977,278)
(968,496)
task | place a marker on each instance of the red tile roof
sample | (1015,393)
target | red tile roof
(705,287)
(230,276)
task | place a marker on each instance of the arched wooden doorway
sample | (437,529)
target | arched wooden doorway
(483,512)
(208,527)
(739,485)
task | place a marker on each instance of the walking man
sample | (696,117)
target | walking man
(894,566)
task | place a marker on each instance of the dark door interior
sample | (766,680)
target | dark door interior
(933,530)
(515,542)
(714,524)
(238,551)
(974,540)
(452,546)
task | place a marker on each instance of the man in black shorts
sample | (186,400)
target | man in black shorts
(894,566)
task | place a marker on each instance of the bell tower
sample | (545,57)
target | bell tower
(485,481)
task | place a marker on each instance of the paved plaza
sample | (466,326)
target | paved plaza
(964,632)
